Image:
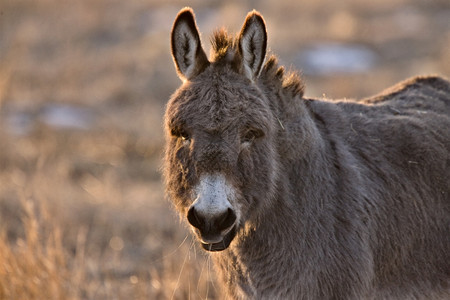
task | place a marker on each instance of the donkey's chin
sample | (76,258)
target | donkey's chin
(221,245)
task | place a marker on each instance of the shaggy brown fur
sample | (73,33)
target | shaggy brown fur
(325,199)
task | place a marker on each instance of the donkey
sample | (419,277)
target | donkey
(301,198)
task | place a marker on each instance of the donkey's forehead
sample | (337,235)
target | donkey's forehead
(214,98)
(220,88)
(222,72)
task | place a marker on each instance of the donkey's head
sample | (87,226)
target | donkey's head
(220,163)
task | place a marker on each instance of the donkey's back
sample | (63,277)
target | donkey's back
(412,115)
(418,95)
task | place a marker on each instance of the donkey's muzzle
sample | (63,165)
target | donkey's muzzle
(222,245)
(215,231)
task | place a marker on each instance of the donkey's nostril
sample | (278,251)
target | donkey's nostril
(226,219)
(215,223)
(193,218)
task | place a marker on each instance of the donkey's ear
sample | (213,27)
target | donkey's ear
(187,52)
(253,44)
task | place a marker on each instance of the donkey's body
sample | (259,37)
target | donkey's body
(308,199)
(364,214)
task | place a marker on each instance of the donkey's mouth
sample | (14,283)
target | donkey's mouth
(222,245)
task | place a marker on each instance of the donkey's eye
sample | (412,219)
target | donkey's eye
(251,134)
(184,136)
(180,133)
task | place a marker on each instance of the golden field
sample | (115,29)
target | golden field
(83,85)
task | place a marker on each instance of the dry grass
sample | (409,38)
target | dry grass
(34,267)
(38,266)
(68,231)
(82,210)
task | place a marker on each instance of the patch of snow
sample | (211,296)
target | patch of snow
(331,58)
(66,116)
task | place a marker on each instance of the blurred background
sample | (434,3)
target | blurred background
(83,86)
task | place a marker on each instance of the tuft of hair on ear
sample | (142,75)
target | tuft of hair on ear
(270,67)
(221,43)
(280,73)
(292,83)
(289,82)
(187,52)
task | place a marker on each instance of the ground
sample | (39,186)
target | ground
(83,85)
